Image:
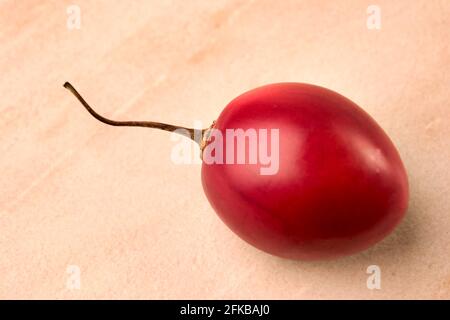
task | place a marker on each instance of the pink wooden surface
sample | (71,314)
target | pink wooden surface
(111,201)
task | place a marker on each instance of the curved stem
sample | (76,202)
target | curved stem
(194,134)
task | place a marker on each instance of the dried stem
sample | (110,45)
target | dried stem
(193,134)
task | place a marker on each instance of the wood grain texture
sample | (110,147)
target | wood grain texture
(111,201)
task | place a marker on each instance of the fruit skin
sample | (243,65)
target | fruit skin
(341,185)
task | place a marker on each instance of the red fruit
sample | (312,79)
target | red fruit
(340,188)
(340,185)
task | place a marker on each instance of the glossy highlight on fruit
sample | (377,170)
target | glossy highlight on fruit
(341,185)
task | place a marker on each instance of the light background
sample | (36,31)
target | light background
(110,200)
